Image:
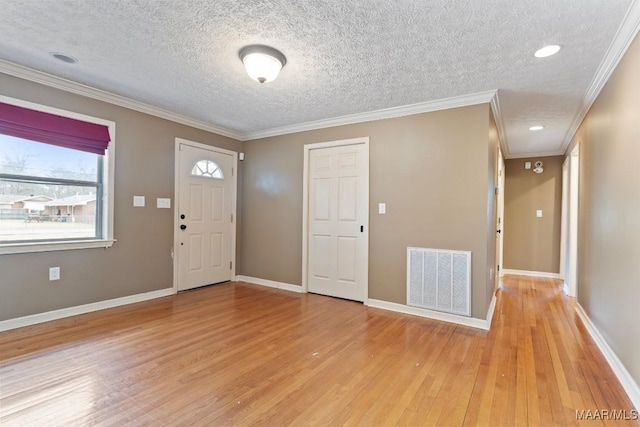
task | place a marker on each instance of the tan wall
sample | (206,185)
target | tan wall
(532,243)
(140,261)
(430,170)
(609,212)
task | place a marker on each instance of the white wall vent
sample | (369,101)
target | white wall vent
(439,280)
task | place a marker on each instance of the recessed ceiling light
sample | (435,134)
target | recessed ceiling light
(64,58)
(537,127)
(552,49)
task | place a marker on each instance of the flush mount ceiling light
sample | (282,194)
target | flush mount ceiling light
(537,127)
(64,58)
(552,49)
(263,63)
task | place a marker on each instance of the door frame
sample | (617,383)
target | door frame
(569,222)
(176,198)
(305,206)
(564,225)
(574,202)
(500,213)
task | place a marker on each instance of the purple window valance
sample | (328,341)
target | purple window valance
(51,129)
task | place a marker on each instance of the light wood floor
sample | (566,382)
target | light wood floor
(240,354)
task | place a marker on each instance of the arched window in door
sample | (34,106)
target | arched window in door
(207,169)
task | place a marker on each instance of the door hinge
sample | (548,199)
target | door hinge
(231,171)
(231,217)
(230,265)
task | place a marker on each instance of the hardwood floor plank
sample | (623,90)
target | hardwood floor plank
(240,354)
(455,405)
(521,375)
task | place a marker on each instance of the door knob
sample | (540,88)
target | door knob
(499,231)
(183,227)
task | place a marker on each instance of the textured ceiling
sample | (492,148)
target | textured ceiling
(343,57)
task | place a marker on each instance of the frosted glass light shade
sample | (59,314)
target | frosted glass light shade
(262,63)
(261,67)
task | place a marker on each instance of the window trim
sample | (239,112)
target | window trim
(108,172)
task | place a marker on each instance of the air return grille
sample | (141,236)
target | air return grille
(439,280)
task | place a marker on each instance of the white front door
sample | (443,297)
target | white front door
(338,212)
(204,208)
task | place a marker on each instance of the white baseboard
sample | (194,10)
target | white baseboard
(33,319)
(436,315)
(492,308)
(385,305)
(627,381)
(565,288)
(270,283)
(543,274)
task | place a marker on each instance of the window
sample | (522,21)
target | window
(55,188)
(207,169)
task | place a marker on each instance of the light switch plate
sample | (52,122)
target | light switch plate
(163,203)
(382,208)
(138,201)
(539,213)
(527,165)
(54,273)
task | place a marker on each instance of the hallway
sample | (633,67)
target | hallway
(539,363)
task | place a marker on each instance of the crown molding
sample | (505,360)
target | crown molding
(100,95)
(618,47)
(386,113)
(40,77)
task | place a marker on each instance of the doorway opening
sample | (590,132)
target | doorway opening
(569,228)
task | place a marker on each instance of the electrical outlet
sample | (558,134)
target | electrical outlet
(54,273)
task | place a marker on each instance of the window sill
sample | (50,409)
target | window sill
(22,248)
